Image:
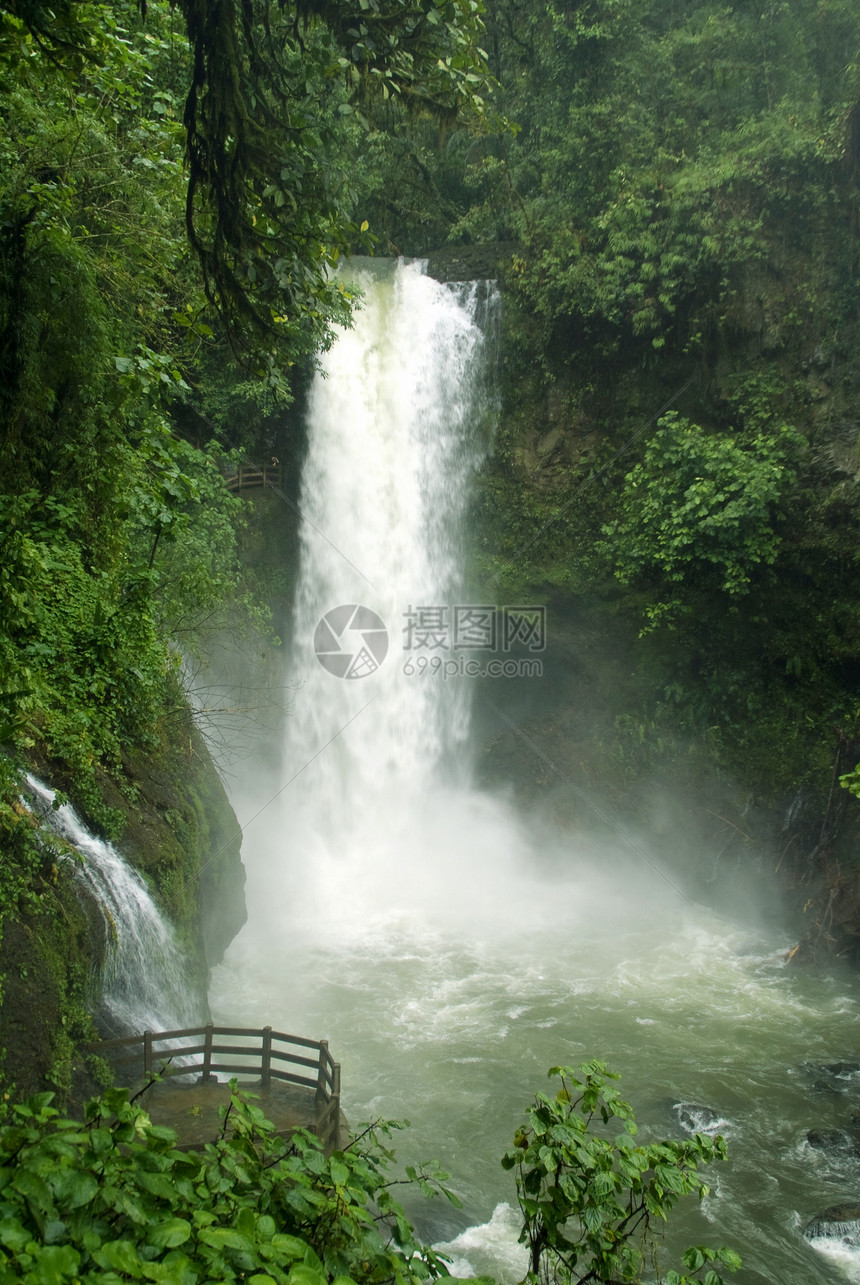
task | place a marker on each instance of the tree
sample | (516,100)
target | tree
(107,325)
(588,1198)
(104,513)
(266,85)
(699,512)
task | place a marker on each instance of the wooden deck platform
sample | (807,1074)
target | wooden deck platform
(193,1111)
(248,477)
(189,1071)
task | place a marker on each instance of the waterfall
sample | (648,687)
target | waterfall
(451,946)
(400,419)
(145,974)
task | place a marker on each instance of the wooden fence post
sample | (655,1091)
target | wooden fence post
(207,1055)
(334,1107)
(266,1062)
(147,1053)
(322,1092)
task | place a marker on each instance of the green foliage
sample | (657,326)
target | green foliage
(119,541)
(112,1198)
(682,189)
(700,512)
(185,526)
(23,857)
(88,241)
(850,781)
(269,91)
(86,666)
(589,1195)
(527,537)
(661,156)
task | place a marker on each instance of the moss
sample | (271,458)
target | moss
(733,712)
(183,835)
(178,829)
(49,958)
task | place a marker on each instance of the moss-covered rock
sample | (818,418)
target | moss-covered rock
(182,833)
(179,830)
(49,963)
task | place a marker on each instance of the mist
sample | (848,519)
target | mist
(453,940)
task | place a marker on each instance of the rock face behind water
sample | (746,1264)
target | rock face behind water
(183,834)
(470,262)
(838,1222)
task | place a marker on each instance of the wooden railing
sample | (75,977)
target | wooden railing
(247,476)
(209,1050)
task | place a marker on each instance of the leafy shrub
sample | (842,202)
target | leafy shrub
(699,512)
(113,1199)
(588,1200)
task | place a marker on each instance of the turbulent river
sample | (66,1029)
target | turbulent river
(450,948)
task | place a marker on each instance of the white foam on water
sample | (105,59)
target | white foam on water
(845,1257)
(480,1250)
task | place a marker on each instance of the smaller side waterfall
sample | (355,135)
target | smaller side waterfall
(145,975)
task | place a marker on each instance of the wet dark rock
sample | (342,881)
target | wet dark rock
(833,1078)
(834,1140)
(470,262)
(838,1222)
(183,834)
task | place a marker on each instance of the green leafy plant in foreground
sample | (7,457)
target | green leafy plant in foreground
(589,1198)
(113,1199)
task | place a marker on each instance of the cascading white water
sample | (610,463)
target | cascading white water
(398,430)
(145,974)
(451,948)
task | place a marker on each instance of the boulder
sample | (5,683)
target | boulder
(834,1140)
(838,1222)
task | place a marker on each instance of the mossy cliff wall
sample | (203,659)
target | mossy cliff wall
(179,830)
(722,731)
